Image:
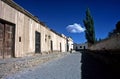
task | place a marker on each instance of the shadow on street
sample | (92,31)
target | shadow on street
(93,68)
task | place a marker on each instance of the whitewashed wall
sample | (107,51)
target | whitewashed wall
(25,28)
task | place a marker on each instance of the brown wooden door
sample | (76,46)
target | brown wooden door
(1,39)
(6,40)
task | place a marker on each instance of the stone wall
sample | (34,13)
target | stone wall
(112,43)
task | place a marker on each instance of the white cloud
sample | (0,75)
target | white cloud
(75,28)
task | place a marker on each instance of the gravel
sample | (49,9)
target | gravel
(63,67)
(15,65)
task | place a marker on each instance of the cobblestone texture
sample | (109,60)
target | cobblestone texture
(65,67)
(13,65)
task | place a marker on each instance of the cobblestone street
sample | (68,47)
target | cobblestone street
(65,67)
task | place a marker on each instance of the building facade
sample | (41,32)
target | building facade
(22,34)
(80,46)
(70,44)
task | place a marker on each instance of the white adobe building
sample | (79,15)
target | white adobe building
(80,46)
(23,34)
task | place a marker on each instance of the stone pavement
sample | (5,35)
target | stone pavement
(65,67)
(14,65)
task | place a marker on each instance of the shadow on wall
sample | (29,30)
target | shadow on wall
(93,68)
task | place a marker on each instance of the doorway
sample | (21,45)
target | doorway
(37,42)
(60,48)
(84,47)
(51,43)
(7,39)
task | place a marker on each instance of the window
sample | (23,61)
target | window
(45,38)
(80,46)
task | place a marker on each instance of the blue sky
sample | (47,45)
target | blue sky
(62,14)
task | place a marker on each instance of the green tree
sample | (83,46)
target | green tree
(89,25)
(118,27)
(115,31)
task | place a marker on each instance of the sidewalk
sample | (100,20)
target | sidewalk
(13,65)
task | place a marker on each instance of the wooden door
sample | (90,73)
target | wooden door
(37,42)
(6,40)
(1,39)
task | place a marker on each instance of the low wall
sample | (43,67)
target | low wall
(112,43)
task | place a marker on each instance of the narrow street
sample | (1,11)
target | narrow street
(66,67)
(71,66)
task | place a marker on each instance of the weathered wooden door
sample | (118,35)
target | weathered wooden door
(1,39)
(6,40)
